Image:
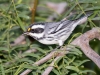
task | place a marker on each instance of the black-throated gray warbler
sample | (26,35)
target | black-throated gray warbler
(54,32)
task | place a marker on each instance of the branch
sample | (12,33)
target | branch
(43,60)
(51,66)
(18,40)
(83,42)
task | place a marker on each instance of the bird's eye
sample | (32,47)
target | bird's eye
(32,30)
(37,30)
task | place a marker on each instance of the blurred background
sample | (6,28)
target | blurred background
(18,52)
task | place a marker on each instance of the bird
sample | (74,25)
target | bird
(54,32)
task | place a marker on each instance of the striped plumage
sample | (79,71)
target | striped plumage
(54,32)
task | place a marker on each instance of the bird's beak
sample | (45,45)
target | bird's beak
(26,33)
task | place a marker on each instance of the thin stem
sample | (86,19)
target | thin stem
(34,10)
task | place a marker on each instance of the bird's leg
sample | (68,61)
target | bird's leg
(60,42)
(60,45)
(55,49)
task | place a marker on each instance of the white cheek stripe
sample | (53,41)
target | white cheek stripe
(37,26)
(36,35)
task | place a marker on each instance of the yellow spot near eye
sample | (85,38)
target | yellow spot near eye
(29,29)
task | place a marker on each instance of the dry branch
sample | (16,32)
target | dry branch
(51,66)
(83,42)
(18,40)
(43,60)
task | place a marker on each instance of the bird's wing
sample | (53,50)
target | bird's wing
(56,27)
(55,30)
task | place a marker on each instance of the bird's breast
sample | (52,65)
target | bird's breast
(46,41)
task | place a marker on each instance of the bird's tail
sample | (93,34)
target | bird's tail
(83,18)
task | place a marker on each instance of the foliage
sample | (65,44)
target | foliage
(15,17)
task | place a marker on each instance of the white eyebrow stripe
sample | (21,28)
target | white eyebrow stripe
(37,26)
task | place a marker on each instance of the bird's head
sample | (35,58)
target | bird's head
(36,30)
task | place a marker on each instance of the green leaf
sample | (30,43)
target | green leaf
(93,8)
(24,16)
(74,74)
(2,69)
(25,60)
(89,1)
(75,51)
(41,50)
(21,6)
(56,72)
(86,71)
(96,18)
(30,66)
(21,24)
(82,62)
(73,68)
(4,48)
(32,54)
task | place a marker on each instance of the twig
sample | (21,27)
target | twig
(43,60)
(83,42)
(18,40)
(51,66)
(30,51)
(34,10)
